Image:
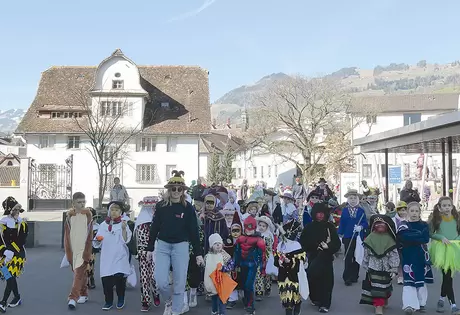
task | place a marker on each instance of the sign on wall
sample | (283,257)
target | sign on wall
(394,175)
(348,181)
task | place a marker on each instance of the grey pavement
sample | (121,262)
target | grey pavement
(44,288)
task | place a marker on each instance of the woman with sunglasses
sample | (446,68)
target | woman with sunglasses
(174,229)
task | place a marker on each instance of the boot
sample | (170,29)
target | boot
(297,309)
(289,311)
(92,284)
(378,310)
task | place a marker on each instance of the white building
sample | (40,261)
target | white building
(394,111)
(169,105)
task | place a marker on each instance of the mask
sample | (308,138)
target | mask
(236,232)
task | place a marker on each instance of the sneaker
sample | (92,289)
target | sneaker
(213,313)
(2,307)
(378,310)
(409,311)
(156,300)
(268,293)
(121,302)
(422,309)
(72,304)
(400,280)
(107,306)
(455,310)
(259,298)
(230,305)
(193,301)
(145,307)
(82,300)
(440,306)
(16,301)
(168,308)
(323,310)
(185,309)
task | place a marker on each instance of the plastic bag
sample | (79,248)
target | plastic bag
(132,278)
(304,289)
(65,263)
(270,269)
(359,250)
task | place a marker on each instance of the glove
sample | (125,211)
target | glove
(357,229)
(8,255)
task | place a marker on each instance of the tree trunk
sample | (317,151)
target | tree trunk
(101,188)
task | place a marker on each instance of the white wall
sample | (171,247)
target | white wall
(204,162)
(85,174)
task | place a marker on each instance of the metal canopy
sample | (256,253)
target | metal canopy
(426,136)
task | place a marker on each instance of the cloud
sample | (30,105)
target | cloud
(204,6)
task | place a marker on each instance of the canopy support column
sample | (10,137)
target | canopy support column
(386,176)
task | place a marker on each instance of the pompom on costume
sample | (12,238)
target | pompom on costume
(13,232)
(290,259)
(381,259)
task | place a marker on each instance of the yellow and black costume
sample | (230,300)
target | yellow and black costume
(13,235)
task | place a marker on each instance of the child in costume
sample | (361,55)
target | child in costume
(381,260)
(352,223)
(444,248)
(14,233)
(214,221)
(398,219)
(216,256)
(78,236)
(229,246)
(313,197)
(263,282)
(249,256)
(146,264)
(112,237)
(288,208)
(290,259)
(252,209)
(413,236)
(320,241)
(390,209)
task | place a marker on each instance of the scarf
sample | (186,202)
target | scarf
(380,244)
(110,222)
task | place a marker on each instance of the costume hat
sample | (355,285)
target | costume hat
(228,209)
(267,221)
(118,203)
(250,224)
(176,180)
(290,230)
(214,239)
(322,180)
(401,204)
(236,220)
(351,192)
(9,204)
(287,194)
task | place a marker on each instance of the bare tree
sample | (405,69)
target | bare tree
(308,123)
(106,122)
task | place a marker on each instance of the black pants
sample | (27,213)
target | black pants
(194,273)
(321,286)
(118,281)
(351,270)
(11,286)
(447,287)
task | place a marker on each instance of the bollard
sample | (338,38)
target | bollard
(32,237)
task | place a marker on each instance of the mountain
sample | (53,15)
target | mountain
(9,119)
(390,79)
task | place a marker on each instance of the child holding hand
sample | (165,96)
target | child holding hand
(112,237)
(216,256)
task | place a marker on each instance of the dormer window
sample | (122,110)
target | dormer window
(117,84)
(165,105)
(117,75)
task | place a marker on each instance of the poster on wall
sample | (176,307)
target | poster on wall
(348,181)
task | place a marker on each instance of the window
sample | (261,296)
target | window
(171,145)
(165,105)
(56,115)
(46,142)
(412,118)
(116,108)
(239,172)
(73,142)
(9,163)
(254,172)
(146,173)
(269,171)
(261,172)
(367,170)
(110,154)
(117,84)
(66,115)
(147,144)
(371,119)
(169,169)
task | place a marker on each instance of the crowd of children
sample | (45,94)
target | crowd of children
(246,247)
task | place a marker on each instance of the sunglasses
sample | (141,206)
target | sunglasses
(209,202)
(174,189)
(236,231)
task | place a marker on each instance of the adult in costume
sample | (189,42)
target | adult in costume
(146,264)
(175,227)
(14,232)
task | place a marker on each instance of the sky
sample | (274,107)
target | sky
(237,41)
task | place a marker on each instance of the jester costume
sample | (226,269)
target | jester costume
(90,268)
(249,256)
(14,232)
(146,265)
